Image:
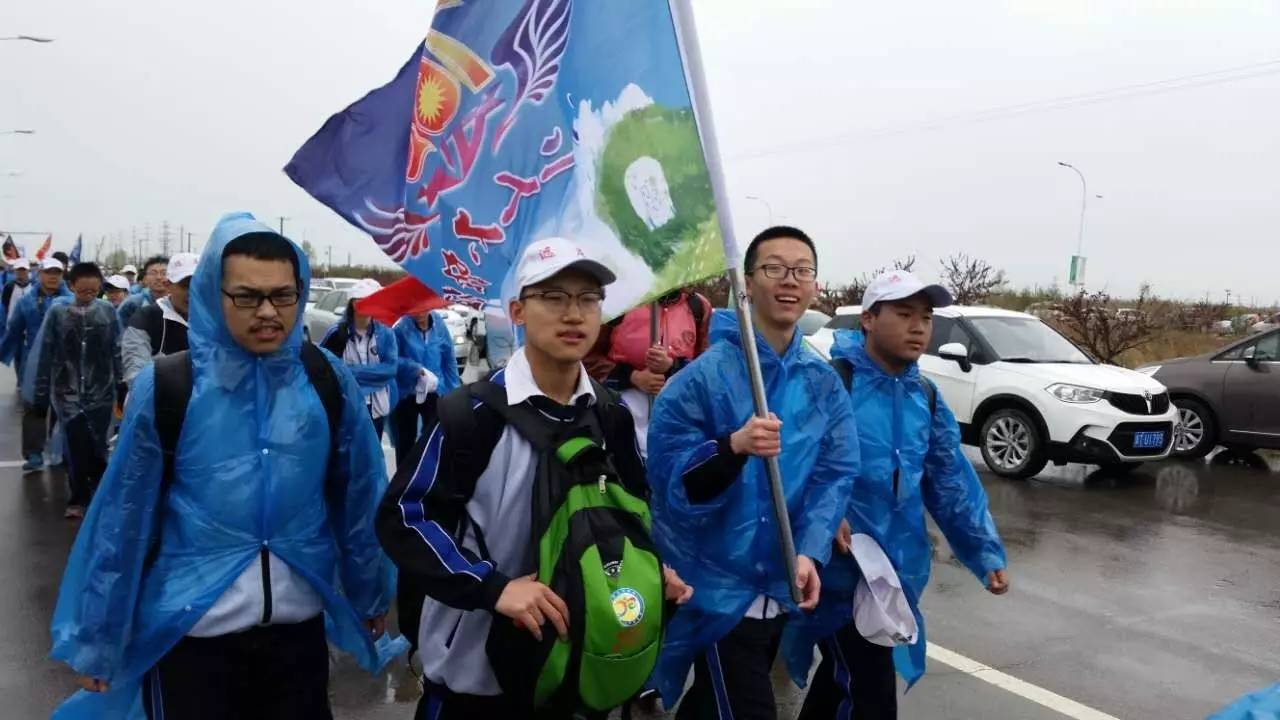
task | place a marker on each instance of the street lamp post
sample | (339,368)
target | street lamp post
(767,206)
(1077,264)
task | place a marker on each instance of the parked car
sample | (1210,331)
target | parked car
(337,283)
(1228,397)
(1269,324)
(1025,395)
(326,311)
(315,292)
(812,321)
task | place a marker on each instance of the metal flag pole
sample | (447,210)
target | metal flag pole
(653,340)
(687,37)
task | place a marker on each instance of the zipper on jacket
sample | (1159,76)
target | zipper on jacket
(266,585)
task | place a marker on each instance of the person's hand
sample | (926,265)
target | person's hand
(531,604)
(761,437)
(93,685)
(844,538)
(648,382)
(808,582)
(677,590)
(658,360)
(998,582)
(377,625)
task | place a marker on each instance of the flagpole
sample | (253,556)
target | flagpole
(687,37)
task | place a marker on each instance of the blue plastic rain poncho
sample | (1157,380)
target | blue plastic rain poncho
(76,366)
(433,352)
(252,469)
(380,372)
(132,304)
(728,549)
(897,434)
(1261,705)
(24,323)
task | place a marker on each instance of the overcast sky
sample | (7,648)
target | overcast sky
(863,123)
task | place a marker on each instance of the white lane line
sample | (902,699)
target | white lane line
(10,463)
(1021,688)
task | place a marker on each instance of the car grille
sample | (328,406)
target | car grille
(1137,404)
(1122,438)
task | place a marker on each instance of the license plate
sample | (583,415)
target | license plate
(1148,440)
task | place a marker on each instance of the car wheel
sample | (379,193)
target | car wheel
(1012,445)
(1196,435)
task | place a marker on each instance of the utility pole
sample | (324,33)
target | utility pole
(164,238)
(282,219)
(328,263)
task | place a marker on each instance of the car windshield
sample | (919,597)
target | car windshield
(1027,340)
(812,322)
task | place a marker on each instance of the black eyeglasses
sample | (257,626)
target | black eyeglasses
(801,273)
(559,300)
(252,299)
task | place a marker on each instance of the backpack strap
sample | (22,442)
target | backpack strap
(699,309)
(325,381)
(173,383)
(844,369)
(931,392)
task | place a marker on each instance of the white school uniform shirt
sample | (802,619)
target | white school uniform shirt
(360,351)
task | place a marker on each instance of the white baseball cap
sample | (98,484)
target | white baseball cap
(181,266)
(51,263)
(128,269)
(544,259)
(900,285)
(364,289)
(21,263)
(118,282)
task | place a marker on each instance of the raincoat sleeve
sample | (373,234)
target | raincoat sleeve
(45,357)
(442,339)
(94,618)
(14,334)
(377,376)
(422,512)
(135,351)
(689,463)
(357,481)
(955,498)
(831,482)
(407,366)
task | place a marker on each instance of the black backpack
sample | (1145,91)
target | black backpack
(173,386)
(591,543)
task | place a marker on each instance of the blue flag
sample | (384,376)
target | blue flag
(73,257)
(516,120)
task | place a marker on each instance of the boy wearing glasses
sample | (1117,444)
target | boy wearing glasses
(458,513)
(153,288)
(210,556)
(160,328)
(712,506)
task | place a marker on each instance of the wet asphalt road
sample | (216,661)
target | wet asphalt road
(1150,596)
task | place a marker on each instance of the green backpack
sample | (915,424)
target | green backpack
(591,544)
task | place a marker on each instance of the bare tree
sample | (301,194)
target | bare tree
(1106,332)
(971,280)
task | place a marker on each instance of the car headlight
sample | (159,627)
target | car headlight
(1076,393)
(459,340)
(1150,370)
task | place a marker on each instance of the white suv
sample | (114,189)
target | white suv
(1025,395)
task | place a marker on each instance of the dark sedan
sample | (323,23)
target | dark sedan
(1229,397)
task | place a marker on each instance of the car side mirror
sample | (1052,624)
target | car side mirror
(1251,358)
(957,352)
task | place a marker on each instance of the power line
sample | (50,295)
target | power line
(1121,92)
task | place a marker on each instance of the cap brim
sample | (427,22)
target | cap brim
(938,295)
(597,270)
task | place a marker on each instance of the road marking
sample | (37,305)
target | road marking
(1021,688)
(10,463)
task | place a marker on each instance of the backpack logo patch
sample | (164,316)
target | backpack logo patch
(628,606)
